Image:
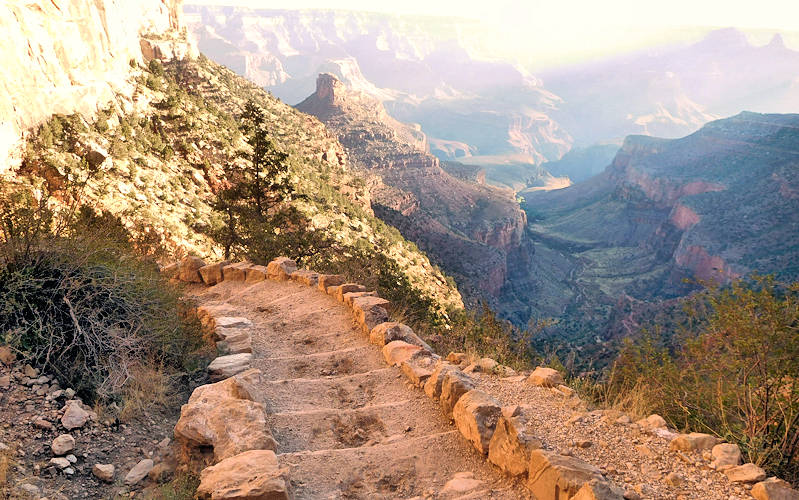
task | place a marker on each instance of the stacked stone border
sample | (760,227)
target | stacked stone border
(224,429)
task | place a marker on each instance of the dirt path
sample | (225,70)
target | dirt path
(347,426)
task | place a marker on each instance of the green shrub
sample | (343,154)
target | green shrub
(156,68)
(79,302)
(154,83)
(735,374)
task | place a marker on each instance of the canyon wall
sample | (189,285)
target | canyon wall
(72,56)
(475,232)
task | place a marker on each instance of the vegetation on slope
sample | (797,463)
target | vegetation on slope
(732,372)
(166,151)
(83,300)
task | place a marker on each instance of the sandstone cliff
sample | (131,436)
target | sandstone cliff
(73,56)
(473,231)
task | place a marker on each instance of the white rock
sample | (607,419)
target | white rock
(139,472)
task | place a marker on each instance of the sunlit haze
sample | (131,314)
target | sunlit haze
(541,33)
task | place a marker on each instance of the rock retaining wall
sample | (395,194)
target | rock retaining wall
(225,431)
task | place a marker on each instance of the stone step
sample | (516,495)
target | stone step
(348,391)
(304,341)
(329,428)
(401,468)
(339,362)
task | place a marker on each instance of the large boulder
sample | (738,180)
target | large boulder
(212,273)
(228,426)
(208,314)
(695,441)
(455,385)
(324,281)
(238,343)
(240,386)
(189,269)
(235,272)
(513,441)
(419,367)
(396,352)
(281,268)
(389,331)
(433,385)
(545,377)
(370,311)
(252,475)
(227,366)
(348,288)
(774,489)
(476,415)
(348,297)
(255,274)
(552,476)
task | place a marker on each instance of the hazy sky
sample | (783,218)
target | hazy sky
(580,28)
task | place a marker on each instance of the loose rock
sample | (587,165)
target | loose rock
(746,473)
(139,472)
(104,472)
(250,475)
(545,377)
(63,444)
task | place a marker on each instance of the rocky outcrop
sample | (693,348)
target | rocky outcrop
(74,56)
(253,475)
(477,232)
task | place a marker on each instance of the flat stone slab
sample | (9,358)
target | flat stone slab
(232,322)
(235,344)
(227,366)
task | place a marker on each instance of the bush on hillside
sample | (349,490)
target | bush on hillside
(735,374)
(77,300)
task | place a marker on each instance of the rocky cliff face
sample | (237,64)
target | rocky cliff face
(422,70)
(73,56)
(473,231)
(712,206)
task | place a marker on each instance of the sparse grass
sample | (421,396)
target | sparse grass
(182,487)
(733,374)
(148,389)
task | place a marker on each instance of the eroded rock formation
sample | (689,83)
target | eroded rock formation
(72,56)
(473,231)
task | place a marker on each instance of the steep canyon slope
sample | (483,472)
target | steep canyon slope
(718,204)
(153,147)
(475,232)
